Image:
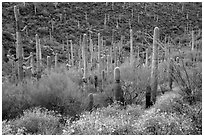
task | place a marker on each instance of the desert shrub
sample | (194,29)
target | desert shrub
(15,99)
(55,91)
(35,121)
(7,129)
(189,80)
(112,120)
(154,123)
(163,72)
(134,81)
(58,92)
(171,103)
(75,76)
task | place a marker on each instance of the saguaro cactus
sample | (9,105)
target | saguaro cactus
(105,22)
(193,40)
(37,56)
(91,50)
(146,59)
(154,69)
(84,55)
(91,102)
(170,71)
(148,97)
(115,55)
(19,52)
(40,54)
(72,53)
(32,63)
(56,60)
(103,80)
(99,55)
(131,47)
(49,63)
(111,58)
(118,92)
(108,64)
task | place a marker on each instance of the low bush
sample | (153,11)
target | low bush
(114,120)
(55,91)
(154,123)
(34,121)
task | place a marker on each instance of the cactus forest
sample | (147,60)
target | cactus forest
(101,68)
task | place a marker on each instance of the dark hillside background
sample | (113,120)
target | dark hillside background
(72,19)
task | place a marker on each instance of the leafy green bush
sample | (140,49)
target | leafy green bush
(35,121)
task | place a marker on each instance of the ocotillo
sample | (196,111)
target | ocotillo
(118,92)
(154,69)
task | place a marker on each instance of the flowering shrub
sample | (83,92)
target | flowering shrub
(111,120)
(156,123)
(35,121)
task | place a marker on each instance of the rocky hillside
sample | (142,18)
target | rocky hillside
(71,19)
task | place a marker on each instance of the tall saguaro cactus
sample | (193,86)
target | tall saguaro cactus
(84,55)
(32,63)
(48,63)
(148,97)
(154,69)
(56,60)
(72,53)
(131,47)
(146,59)
(91,102)
(19,48)
(40,53)
(105,22)
(108,64)
(193,41)
(99,56)
(91,50)
(37,56)
(170,73)
(118,92)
